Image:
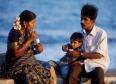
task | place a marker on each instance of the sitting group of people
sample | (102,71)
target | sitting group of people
(87,52)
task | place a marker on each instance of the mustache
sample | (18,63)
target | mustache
(82,24)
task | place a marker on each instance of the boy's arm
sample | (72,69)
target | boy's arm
(74,53)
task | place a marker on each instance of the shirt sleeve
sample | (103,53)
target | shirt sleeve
(13,36)
(13,39)
(102,45)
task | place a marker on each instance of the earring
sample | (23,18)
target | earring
(24,24)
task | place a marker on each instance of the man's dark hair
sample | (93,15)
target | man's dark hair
(89,11)
(77,36)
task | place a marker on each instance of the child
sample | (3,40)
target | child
(72,48)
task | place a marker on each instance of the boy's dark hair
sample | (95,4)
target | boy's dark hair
(77,36)
(90,11)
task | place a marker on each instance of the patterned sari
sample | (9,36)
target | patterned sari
(25,69)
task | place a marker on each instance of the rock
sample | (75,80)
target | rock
(110,76)
(6,81)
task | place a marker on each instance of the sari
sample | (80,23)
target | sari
(25,69)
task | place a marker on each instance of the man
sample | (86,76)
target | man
(95,50)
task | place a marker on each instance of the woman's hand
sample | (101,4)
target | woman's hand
(34,35)
(39,48)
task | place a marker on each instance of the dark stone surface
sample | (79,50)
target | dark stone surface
(110,73)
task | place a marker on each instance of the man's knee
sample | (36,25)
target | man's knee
(98,76)
(99,72)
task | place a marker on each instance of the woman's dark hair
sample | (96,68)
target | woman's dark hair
(89,11)
(77,36)
(27,16)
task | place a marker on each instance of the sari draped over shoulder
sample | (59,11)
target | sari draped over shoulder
(25,69)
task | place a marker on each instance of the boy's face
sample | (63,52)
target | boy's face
(75,43)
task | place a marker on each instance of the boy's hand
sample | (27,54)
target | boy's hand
(65,48)
(74,53)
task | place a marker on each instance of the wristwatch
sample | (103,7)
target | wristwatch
(82,54)
(70,49)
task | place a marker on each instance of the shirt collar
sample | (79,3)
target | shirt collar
(93,32)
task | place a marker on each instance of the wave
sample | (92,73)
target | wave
(112,40)
(48,39)
(3,39)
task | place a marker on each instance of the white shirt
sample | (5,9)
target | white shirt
(96,41)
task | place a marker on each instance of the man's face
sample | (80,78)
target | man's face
(75,44)
(86,23)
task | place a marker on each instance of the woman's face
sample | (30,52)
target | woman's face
(31,25)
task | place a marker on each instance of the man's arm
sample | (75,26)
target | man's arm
(92,55)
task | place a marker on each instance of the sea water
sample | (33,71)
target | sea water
(56,21)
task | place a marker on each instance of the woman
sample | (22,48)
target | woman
(21,46)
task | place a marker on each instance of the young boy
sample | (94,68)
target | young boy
(76,40)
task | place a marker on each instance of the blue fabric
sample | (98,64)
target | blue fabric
(64,71)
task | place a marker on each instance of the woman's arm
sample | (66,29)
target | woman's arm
(20,49)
